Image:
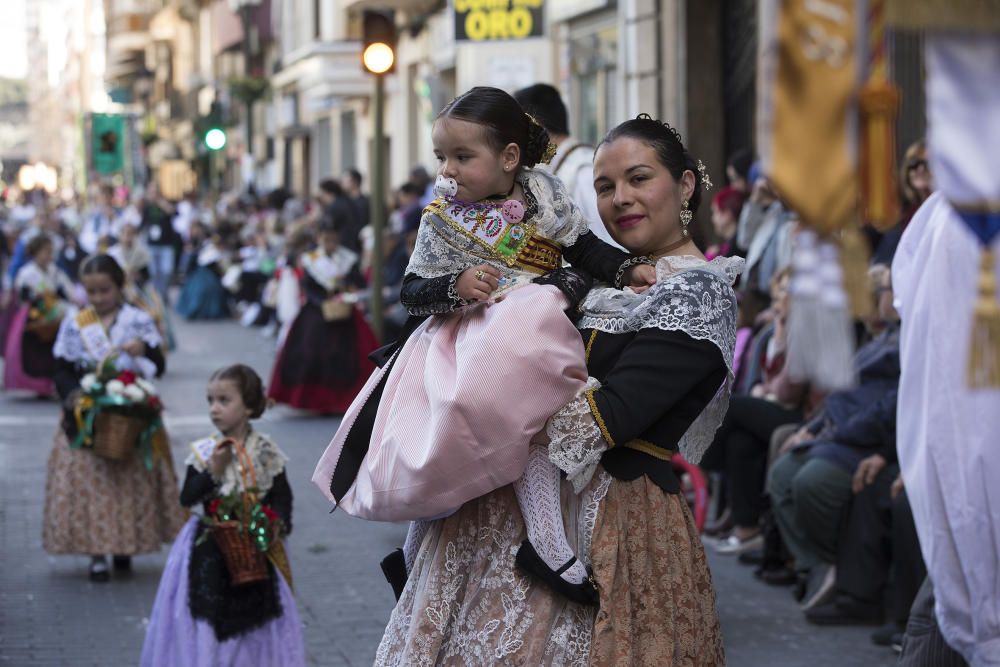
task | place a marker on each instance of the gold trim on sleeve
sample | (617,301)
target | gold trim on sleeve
(590,345)
(647,447)
(598,418)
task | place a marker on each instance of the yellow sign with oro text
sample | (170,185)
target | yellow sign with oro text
(497,20)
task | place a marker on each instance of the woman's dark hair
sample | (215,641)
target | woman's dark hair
(37,244)
(249,384)
(666,143)
(504,120)
(105,264)
(741,160)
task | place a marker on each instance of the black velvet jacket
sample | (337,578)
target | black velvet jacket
(654,384)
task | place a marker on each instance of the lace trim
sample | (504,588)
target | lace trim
(692,296)
(576,442)
(131,323)
(268,462)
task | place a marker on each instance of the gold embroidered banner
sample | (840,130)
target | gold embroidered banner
(808,109)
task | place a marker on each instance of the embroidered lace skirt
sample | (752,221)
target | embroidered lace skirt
(657,599)
(465,604)
(98,506)
(463,399)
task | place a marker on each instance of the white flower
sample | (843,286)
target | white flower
(88,382)
(134,393)
(146,386)
(115,388)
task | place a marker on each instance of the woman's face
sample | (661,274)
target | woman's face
(919,174)
(102,293)
(638,198)
(722,220)
(44,256)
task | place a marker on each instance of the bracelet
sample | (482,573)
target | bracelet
(628,264)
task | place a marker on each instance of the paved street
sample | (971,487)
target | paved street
(51,615)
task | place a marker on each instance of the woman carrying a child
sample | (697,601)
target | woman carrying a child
(660,369)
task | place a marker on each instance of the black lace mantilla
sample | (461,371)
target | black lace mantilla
(230,610)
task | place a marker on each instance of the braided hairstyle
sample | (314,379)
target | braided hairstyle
(666,143)
(249,384)
(503,119)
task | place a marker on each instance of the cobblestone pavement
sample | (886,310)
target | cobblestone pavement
(51,615)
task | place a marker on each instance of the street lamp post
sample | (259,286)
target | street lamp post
(246,10)
(378,58)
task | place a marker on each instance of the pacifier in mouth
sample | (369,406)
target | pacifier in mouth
(445,187)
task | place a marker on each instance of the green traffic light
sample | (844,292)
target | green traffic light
(215,139)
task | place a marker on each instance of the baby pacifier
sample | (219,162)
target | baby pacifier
(445,187)
(512,211)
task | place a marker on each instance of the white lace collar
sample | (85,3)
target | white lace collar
(268,462)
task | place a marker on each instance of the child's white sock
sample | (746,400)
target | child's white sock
(414,536)
(538,494)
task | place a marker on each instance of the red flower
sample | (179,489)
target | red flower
(127,377)
(154,402)
(213,506)
(269,513)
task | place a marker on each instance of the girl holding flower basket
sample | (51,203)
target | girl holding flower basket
(225,596)
(43,290)
(111,484)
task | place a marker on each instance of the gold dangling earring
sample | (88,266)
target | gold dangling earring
(686,216)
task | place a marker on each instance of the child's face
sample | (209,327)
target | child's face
(225,406)
(44,256)
(102,293)
(328,241)
(128,235)
(464,154)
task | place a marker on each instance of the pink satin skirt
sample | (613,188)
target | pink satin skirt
(461,403)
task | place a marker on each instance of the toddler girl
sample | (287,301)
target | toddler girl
(450,414)
(200,617)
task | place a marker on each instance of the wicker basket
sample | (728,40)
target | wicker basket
(336,310)
(116,435)
(46,330)
(246,564)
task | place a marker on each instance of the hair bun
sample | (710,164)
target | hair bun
(538,143)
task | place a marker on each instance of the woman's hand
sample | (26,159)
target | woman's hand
(867,471)
(476,283)
(640,277)
(222,456)
(135,348)
(897,487)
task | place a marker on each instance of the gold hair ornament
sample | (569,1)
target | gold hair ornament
(706,182)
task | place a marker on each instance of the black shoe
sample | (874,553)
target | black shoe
(394,568)
(839,613)
(99,570)
(122,563)
(883,636)
(777,576)
(528,560)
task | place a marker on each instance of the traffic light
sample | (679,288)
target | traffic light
(215,134)
(378,41)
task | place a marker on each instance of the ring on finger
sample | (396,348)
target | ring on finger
(480,274)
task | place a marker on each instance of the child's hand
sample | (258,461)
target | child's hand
(134,347)
(477,282)
(641,277)
(221,457)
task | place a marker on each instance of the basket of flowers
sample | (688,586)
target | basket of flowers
(242,527)
(45,316)
(117,413)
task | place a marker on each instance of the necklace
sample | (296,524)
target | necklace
(675,245)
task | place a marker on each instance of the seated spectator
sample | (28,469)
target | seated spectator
(740,449)
(726,206)
(810,484)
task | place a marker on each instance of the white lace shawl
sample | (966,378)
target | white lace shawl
(267,458)
(327,270)
(131,323)
(441,250)
(692,296)
(39,280)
